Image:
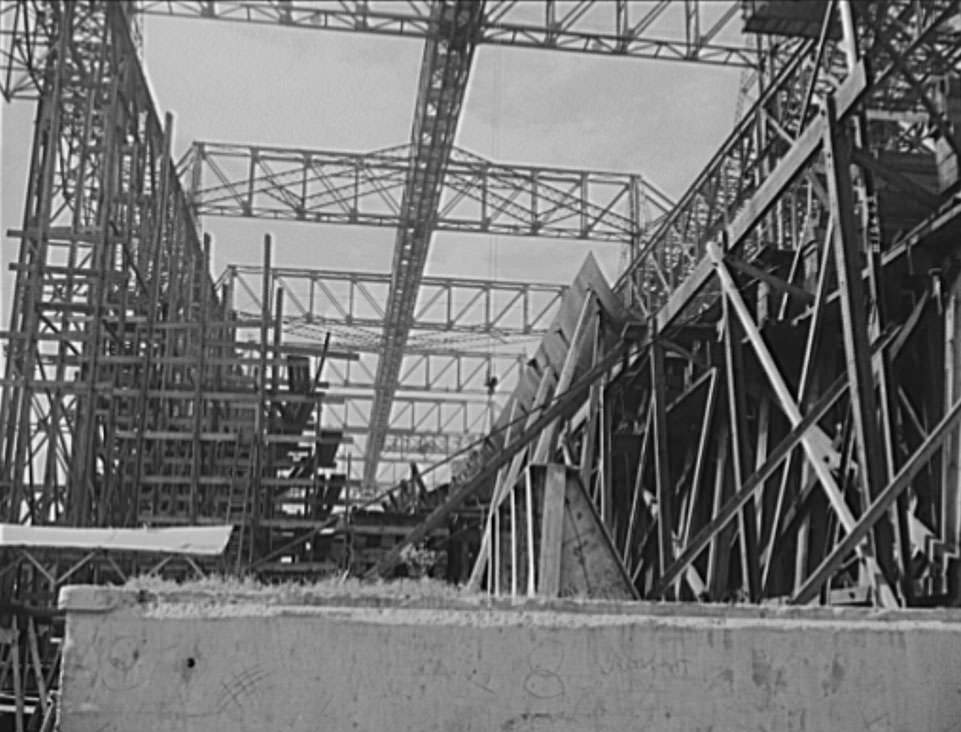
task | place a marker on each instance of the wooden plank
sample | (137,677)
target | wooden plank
(790,165)
(774,281)
(589,565)
(18,690)
(564,405)
(950,528)
(682,294)
(664,486)
(737,413)
(723,514)
(553,477)
(564,379)
(37,665)
(816,444)
(805,384)
(880,506)
(872,472)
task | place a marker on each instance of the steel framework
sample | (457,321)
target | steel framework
(766,407)
(478,195)
(782,420)
(686,31)
(338,299)
(463,356)
(474,195)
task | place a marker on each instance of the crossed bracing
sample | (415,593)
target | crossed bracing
(783,420)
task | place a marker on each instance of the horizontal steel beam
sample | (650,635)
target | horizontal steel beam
(466,374)
(357,300)
(478,195)
(411,414)
(665,31)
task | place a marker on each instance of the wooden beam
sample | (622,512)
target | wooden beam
(638,484)
(729,509)
(552,530)
(564,379)
(662,479)
(774,281)
(857,351)
(563,406)
(880,506)
(790,165)
(905,185)
(702,451)
(736,410)
(506,479)
(817,452)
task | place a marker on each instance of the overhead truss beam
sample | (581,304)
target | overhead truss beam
(476,195)
(605,27)
(328,299)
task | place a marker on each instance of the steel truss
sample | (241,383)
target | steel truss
(688,31)
(449,386)
(782,421)
(367,189)
(691,31)
(132,393)
(338,299)
(478,195)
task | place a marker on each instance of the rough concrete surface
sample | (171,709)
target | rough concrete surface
(141,660)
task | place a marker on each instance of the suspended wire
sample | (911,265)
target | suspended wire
(496,84)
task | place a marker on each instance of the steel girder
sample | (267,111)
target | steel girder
(690,31)
(463,420)
(466,332)
(342,300)
(445,68)
(434,372)
(477,196)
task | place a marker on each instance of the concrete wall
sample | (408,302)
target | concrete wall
(212,663)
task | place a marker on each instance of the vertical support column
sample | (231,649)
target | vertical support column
(719,554)
(21,358)
(259,436)
(950,509)
(87,487)
(157,242)
(737,409)
(198,406)
(662,476)
(870,449)
(274,411)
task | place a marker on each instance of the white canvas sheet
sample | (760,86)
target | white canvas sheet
(179,540)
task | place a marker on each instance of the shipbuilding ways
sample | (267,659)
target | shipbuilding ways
(763,408)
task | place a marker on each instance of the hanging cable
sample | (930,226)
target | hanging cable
(491,380)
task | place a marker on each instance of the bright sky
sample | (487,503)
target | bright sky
(232,82)
(258,84)
(343,91)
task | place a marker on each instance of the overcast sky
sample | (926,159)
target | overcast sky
(258,84)
(241,83)
(356,92)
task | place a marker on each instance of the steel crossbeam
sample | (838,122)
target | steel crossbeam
(660,30)
(329,299)
(445,68)
(477,196)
